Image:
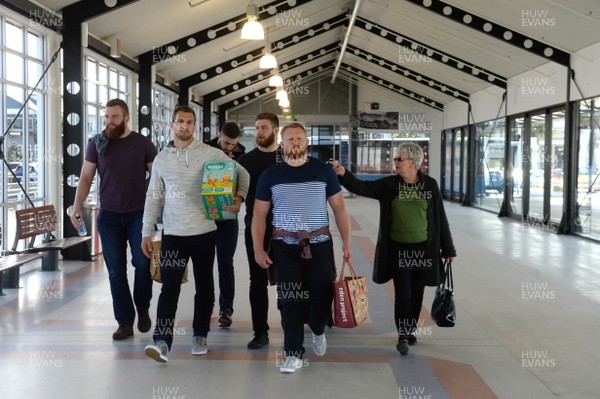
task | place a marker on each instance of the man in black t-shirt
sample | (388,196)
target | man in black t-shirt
(122,158)
(255,162)
(227,230)
(228,140)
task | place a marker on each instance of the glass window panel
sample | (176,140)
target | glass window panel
(557,162)
(34,72)
(35,45)
(537,152)
(91,70)
(448,164)
(91,94)
(14,101)
(102,74)
(123,86)
(92,121)
(457,163)
(14,36)
(515,180)
(489,151)
(15,68)
(588,170)
(465,163)
(112,79)
(102,95)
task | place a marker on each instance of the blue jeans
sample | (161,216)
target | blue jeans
(116,229)
(175,252)
(227,238)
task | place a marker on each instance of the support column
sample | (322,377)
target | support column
(73,134)
(222,117)
(206,120)
(145,78)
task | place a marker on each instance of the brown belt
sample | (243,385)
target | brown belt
(303,238)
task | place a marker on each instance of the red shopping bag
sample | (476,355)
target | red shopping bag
(350,301)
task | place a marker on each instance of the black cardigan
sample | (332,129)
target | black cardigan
(439,241)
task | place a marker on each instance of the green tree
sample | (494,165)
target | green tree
(14,152)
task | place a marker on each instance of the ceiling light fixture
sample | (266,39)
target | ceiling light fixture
(268,60)
(284,103)
(276,80)
(252,29)
(281,94)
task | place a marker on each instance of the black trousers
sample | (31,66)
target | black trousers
(304,291)
(410,266)
(259,282)
(174,255)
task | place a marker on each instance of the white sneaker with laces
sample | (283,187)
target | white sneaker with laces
(319,344)
(199,346)
(291,364)
(158,351)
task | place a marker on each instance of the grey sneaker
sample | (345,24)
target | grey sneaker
(157,351)
(319,344)
(199,346)
(291,364)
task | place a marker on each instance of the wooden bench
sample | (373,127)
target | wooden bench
(42,220)
(11,261)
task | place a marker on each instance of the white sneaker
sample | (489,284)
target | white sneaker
(291,364)
(199,346)
(158,351)
(319,344)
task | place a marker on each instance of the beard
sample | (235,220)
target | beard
(294,153)
(115,131)
(184,136)
(265,141)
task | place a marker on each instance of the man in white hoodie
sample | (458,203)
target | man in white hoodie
(187,233)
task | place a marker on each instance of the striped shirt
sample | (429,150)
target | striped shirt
(299,196)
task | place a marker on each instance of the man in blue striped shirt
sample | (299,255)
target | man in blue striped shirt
(299,188)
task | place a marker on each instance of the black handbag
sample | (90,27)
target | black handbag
(443,311)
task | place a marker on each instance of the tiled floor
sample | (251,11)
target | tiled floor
(528,306)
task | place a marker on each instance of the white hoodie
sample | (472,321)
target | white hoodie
(177,178)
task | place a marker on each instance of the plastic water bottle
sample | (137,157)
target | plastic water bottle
(82,230)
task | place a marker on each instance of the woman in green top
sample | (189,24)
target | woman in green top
(413,235)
